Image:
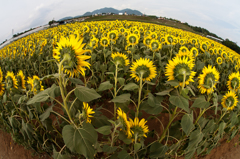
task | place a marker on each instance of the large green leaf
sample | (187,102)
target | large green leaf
(180,102)
(46,114)
(44,95)
(58,155)
(165,92)
(130,86)
(121,98)
(109,149)
(124,155)
(187,123)
(158,150)
(105,86)
(195,137)
(85,94)
(76,81)
(201,103)
(105,130)
(80,140)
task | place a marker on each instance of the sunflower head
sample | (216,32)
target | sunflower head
(155,45)
(178,68)
(204,46)
(11,80)
(233,82)
(229,101)
(169,39)
(125,125)
(219,60)
(147,41)
(104,41)
(138,128)
(1,89)
(208,79)
(71,51)
(143,68)
(132,39)
(87,112)
(21,79)
(120,59)
(1,75)
(93,43)
(113,35)
(194,51)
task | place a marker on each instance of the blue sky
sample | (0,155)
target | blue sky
(221,17)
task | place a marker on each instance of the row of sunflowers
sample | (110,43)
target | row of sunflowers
(121,89)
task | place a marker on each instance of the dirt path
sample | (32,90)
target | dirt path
(10,150)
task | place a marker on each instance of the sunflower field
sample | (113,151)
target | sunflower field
(119,89)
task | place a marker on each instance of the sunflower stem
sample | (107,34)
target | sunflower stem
(184,79)
(115,89)
(139,94)
(166,129)
(62,89)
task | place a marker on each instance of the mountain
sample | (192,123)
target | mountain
(105,10)
(112,10)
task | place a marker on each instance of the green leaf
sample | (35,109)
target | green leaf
(221,128)
(43,95)
(76,81)
(105,130)
(201,103)
(46,114)
(124,155)
(190,154)
(151,100)
(150,83)
(124,138)
(137,146)
(85,94)
(58,155)
(152,110)
(173,83)
(180,102)
(108,149)
(187,123)
(157,150)
(195,137)
(122,98)
(209,127)
(165,92)
(80,140)
(105,86)
(121,81)
(130,86)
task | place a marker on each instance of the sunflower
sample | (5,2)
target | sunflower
(204,46)
(169,39)
(36,84)
(72,49)
(145,68)
(1,75)
(122,117)
(208,79)
(147,41)
(104,41)
(153,35)
(11,80)
(229,101)
(21,79)
(155,45)
(132,39)
(194,51)
(178,67)
(233,82)
(219,60)
(113,35)
(1,88)
(87,111)
(93,43)
(119,58)
(138,128)
(224,55)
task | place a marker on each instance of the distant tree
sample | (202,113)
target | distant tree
(232,45)
(51,22)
